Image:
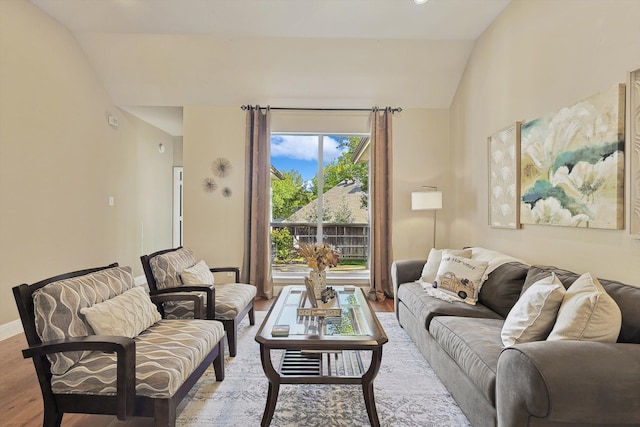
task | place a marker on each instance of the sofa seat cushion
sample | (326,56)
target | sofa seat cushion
(475,345)
(166,354)
(231,299)
(425,307)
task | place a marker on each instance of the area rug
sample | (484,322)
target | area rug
(407,391)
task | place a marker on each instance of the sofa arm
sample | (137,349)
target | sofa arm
(196,298)
(406,270)
(125,349)
(574,382)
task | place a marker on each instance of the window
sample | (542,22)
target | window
(318,194)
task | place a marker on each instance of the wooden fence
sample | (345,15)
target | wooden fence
(352,240)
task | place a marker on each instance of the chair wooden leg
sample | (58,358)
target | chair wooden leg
(232,336)
(52,418)
(164,414)
(252,317)
(218,362)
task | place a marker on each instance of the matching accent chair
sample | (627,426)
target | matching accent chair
(100,346)
(176,270)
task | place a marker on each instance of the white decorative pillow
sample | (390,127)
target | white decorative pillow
(460,277)
(126,314)
(199,274)
(587,313)
(430,268)
(534,314)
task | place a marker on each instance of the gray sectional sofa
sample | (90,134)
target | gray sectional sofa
(542,383)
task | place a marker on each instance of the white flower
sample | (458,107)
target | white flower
(549,211)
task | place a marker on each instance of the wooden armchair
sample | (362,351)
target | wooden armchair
(229,303)
(83,372)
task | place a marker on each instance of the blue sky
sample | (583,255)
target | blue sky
(300,152)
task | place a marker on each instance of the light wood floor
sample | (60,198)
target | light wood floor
(21,401)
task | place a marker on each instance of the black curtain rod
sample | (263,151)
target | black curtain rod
(251,107)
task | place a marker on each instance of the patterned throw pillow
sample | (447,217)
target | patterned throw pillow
(430,268)
(126,315)
(199,274)
(587,313)
(460,277)
(533,315)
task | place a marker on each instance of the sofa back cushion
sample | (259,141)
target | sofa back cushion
(503,286)
(166,268)
(627,298)
(57,308)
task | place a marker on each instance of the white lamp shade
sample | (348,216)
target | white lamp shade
(426,200)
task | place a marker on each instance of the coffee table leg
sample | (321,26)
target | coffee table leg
(274,386)
(367,386)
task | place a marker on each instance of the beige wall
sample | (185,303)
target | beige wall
(420,157)
(60,161)
(539,56)
(213,224)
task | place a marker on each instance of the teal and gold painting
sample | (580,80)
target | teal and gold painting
(572,164)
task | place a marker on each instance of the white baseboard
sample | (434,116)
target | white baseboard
(10,329)
(13,328)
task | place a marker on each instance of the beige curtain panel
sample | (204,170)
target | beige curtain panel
(256,266)
(381,202)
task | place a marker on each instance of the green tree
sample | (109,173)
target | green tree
(289,194)
(343,169)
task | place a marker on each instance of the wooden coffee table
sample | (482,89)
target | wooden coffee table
(319,350)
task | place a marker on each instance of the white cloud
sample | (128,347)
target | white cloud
(304,147)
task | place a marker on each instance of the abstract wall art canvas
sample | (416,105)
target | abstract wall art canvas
(504,178)
(572,164)
(634,226)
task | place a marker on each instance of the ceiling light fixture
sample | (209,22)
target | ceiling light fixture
(420,1)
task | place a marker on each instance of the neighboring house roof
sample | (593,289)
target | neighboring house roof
(276,174)
(346,194)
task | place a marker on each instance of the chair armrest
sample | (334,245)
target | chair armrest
(575,382)
(209,290)
(235,270)
(125,349)
(196,298)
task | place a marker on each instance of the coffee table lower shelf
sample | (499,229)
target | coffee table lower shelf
(310,363)
(321,367)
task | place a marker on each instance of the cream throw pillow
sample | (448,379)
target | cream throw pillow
(587,313)
(460,277)
(430,268)
(533,315)
(126,314)
(199,274)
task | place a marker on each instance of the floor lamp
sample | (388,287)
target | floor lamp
(431,200)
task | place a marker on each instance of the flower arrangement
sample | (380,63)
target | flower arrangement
(318,256)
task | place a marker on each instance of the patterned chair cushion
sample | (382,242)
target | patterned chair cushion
(231,298)
(166,354)
(57,308)
(166,268)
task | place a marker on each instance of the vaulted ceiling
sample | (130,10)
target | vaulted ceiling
(155,56)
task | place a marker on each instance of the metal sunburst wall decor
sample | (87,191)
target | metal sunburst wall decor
(226,192)
(221,167)
(209,185)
